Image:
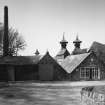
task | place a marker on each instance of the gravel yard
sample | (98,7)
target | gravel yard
(55,93)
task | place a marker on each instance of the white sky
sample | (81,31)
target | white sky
(42,22)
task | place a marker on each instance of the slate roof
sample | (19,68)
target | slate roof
(47,58)
(62,52)
(99,49)
(79,51)
(72,61)
(77,40)
(20,60)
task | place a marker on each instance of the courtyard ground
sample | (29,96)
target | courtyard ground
(44,93)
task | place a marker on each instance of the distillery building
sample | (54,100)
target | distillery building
(80,64)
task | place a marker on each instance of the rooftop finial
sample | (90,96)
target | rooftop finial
(63,35)
(63,40)
(37,52)
(47,52)
(77,37)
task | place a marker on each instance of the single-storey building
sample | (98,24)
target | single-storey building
(49,69)
(18,68)
(85,66)
(26,68)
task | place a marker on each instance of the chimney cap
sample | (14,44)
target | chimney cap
(5,7)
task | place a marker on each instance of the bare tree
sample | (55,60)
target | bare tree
(16,42)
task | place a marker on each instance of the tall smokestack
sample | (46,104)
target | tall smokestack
(5,37)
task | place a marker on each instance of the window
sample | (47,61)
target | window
(95,72)
(89,72)
(83,73)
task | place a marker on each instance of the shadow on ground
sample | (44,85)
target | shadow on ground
(12,92)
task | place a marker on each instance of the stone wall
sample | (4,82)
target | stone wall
(92,96)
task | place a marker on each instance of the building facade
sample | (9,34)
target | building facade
(31,68)
(84,67)
(79,65)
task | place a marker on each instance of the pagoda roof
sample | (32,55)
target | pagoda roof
(77,40)
(63,39)
(62,52)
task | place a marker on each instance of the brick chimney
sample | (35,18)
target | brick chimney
(5,37)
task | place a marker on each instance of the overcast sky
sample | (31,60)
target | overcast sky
(42,22)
